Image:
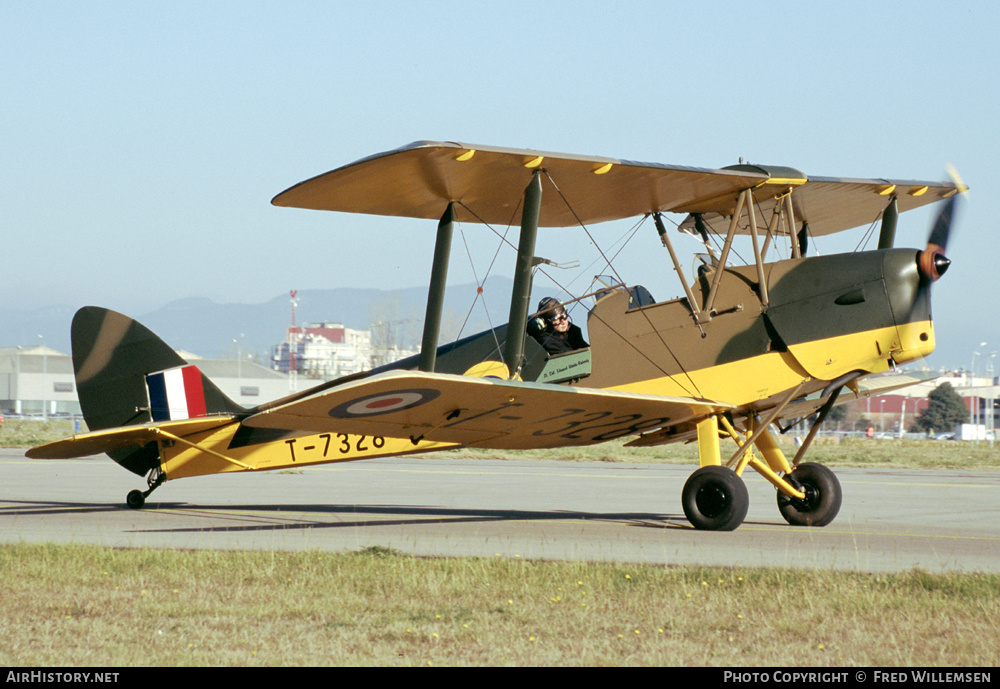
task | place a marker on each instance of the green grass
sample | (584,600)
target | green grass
(853,452)
(31,432)
(848,452)
(94,606)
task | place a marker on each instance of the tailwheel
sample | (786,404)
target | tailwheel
(715,499)
(137,498)
(823,496)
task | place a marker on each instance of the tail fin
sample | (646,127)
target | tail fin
(112,357)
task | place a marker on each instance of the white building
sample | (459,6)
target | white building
(323,351)
(39,381)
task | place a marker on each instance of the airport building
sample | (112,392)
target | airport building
(895,412)
(38,381)
(323,351)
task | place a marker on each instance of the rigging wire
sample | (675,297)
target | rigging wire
(629,233)
(565,289)
(871,228)
(645,315)
(480,286)
(863,243)
(480,293)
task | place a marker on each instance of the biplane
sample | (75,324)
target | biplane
(747,350)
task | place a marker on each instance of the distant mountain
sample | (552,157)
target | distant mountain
(209,329)
(27,328)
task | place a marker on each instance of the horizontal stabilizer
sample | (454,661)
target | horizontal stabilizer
(110,439)
(481,412)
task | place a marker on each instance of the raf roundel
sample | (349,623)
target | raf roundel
(384,403)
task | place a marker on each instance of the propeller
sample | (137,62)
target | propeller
(933,263)
(910,281)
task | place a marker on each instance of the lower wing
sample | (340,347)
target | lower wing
(482,412)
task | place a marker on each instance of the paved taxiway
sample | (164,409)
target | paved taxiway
(890,520)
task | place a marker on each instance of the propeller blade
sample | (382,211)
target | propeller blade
(933,262)
(942,226)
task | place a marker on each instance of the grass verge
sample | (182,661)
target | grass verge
(95,606)
(834,452)
(842,452)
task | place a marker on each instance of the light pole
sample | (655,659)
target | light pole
(239,366)
(972,391)
(991,392)
(17,397)
(45,372)
(974,398)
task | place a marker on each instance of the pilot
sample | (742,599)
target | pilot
(552,329)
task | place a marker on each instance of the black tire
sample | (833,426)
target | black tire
(822,501)
(715,499)
(135,499)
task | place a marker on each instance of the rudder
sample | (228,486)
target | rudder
(112,357)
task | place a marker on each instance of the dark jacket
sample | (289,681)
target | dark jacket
(555,342)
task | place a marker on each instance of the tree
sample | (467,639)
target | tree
(946,408)
(837,415)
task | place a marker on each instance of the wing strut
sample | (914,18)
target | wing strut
(692,302)
(514,349)
(435,293)
(887,234)
(706,313)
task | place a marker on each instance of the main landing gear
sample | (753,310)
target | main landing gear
(716,499)
(137,498)
(822,501)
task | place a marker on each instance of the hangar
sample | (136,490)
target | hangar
(38,381)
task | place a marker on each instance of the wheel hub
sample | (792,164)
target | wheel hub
(712,501)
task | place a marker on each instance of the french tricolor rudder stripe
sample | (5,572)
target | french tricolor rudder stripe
(176,393)
(194,394)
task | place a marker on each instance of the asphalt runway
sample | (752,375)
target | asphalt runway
(894,520)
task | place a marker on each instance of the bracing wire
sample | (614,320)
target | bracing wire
(564,288)
(871,229)
(644,314)
(480,285)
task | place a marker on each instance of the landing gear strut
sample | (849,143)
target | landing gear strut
(137,498)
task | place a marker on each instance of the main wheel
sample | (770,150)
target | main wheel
(135,499)
(822,501)
(715,498)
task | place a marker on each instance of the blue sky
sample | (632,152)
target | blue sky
(143,141)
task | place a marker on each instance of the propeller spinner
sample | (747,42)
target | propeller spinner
(933,262)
